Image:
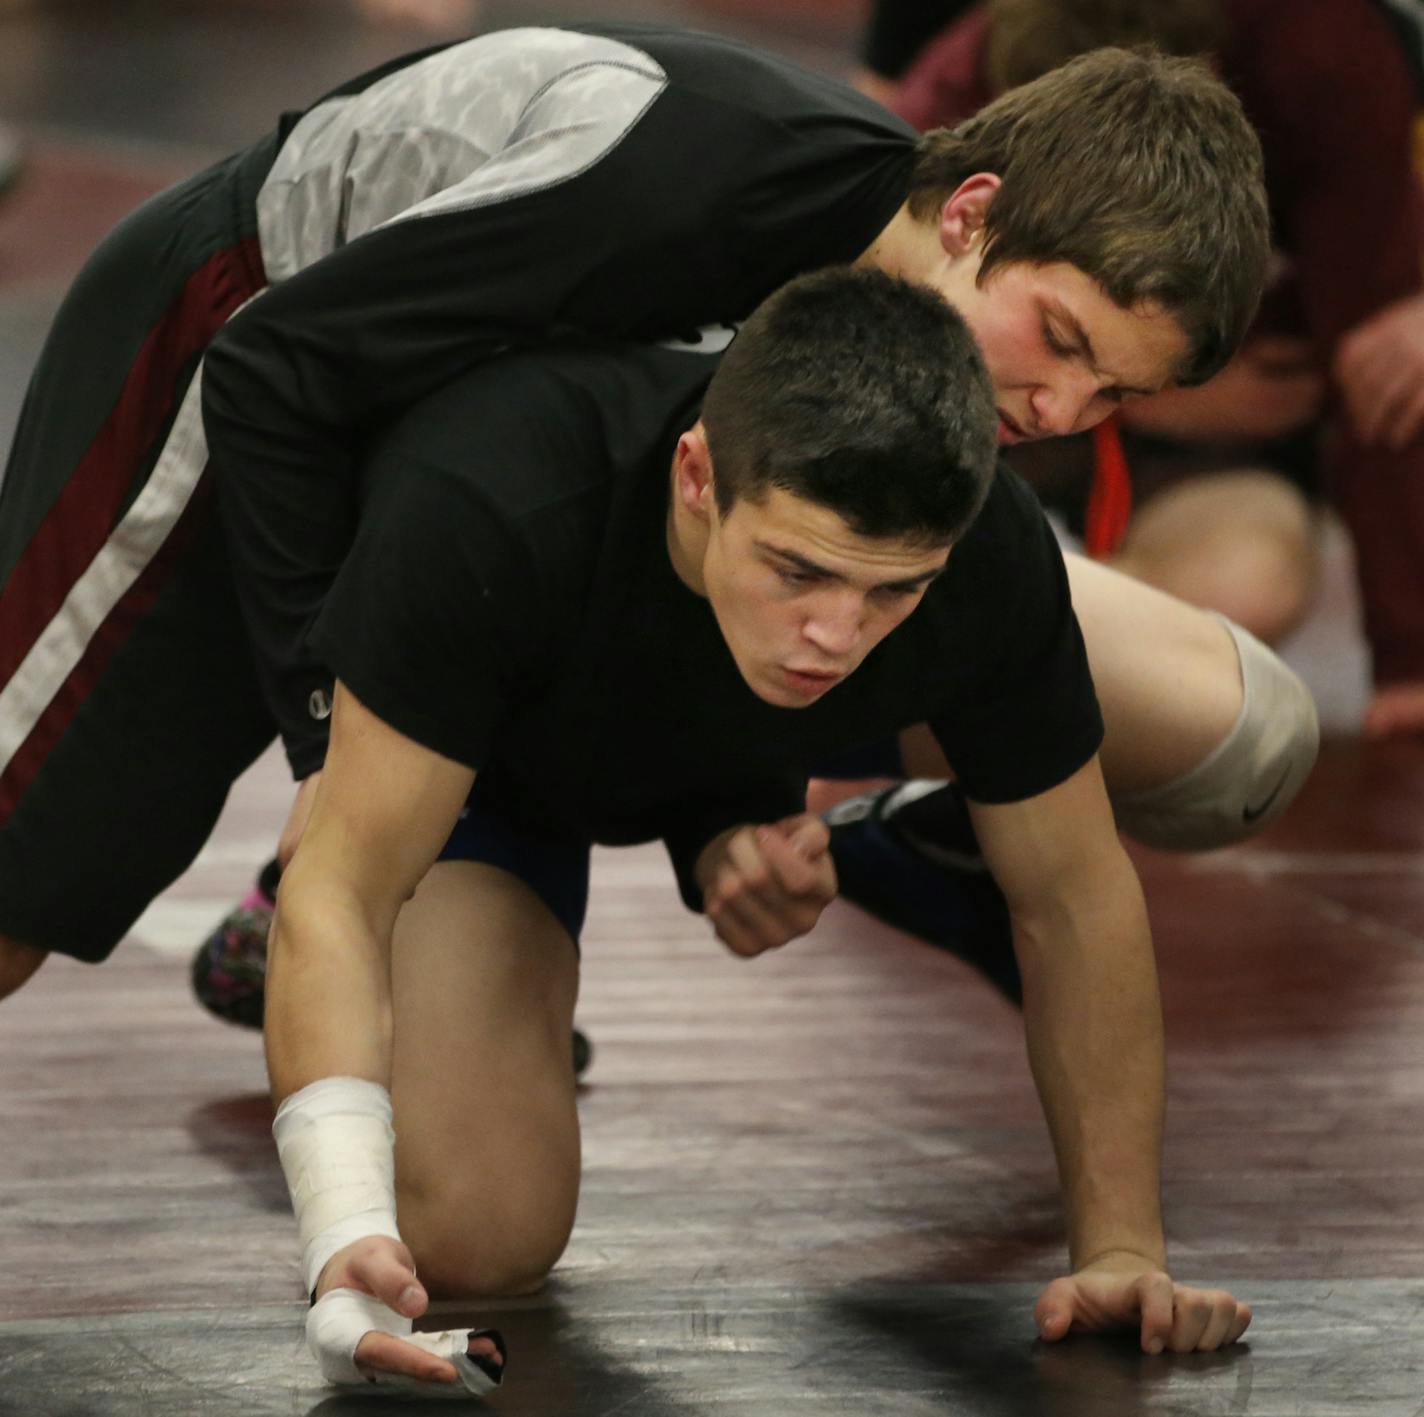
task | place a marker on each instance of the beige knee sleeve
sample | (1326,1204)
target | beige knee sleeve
(1249,778)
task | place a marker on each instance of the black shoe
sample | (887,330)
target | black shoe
(908,856)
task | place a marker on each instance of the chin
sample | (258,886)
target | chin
(770,691)
(778,698)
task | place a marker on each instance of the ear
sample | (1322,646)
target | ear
(961,220)
(692,473)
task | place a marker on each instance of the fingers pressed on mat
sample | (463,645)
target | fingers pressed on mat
(344,1320)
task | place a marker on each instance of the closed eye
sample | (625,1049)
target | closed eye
(795,578)
(1056,345)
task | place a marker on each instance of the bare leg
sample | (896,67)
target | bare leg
(1241,542)
(1168,676)
(487,1141)
(17,963)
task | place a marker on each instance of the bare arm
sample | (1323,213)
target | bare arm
(1092,1018)
(1091,1012)
(384,808)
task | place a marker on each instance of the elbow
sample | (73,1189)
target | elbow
(321,926)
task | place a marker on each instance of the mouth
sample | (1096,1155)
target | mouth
(1009,431)
(811,683)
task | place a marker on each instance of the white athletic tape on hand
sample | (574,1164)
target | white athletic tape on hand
(339,1320)
(337,1148)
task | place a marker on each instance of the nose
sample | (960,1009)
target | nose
(1064,406)
(834,624)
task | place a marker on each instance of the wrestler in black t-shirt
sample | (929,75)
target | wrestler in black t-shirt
(600,595)
(510,603)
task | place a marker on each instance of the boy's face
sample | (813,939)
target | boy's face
(1062,354)
(801,599)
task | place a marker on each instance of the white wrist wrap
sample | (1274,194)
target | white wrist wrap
(342,1317)
(337,1147)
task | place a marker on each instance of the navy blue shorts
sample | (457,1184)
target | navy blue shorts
(556,871)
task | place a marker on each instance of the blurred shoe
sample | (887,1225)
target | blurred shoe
(908,855)
(230,968)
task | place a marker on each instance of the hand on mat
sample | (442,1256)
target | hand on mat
(1380,368)
(1126,1291)
(385,1269)
(297,820)
(763,886)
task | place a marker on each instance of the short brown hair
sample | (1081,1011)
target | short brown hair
(1027,38)
(863,393)
(1139,169)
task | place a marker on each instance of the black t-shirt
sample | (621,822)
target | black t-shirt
(613,181)
(510,603)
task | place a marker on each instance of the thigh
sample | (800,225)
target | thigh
(110,381)
(127,697)
(1167,676)
(116,779)
(484,981)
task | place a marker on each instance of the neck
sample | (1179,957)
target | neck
(907,248)
(686,541)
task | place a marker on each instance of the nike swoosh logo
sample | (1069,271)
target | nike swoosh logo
(1250,814)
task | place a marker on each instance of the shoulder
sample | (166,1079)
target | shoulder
(1010,525)
(534,427)
(1007,570)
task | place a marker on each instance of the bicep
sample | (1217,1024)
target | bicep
(1041,848)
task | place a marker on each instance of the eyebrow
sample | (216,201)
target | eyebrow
(1078,336)
(802,563)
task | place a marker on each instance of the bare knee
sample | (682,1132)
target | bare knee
(1262,583)
(18,962)
(470,1245)
(1240,543)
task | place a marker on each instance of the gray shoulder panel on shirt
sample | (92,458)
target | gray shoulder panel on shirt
(494,118)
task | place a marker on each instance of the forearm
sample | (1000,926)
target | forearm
(328,1010)
(1092,1019)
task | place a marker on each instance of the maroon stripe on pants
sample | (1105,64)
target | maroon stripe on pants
(77,526)
(105,643)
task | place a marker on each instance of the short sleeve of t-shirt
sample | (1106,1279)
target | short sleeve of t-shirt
(1030,716)
(433,620)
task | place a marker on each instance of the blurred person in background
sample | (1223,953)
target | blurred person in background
(1327,395)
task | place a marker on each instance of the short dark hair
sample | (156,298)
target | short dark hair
(864,393)
(1141,170)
